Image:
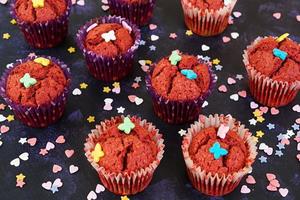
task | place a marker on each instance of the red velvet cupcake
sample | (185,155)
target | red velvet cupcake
(125,151)
(207,17)
(109,44)
(218,152)
(273,66)
(138,12)
(36,89)
(44,23)
(178,85)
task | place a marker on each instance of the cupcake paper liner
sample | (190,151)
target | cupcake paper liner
(206,22)
(43,115)
(108,68)
(124,183)
(178,112)
(215,184)
(46,34)
(265,90)
(138,12)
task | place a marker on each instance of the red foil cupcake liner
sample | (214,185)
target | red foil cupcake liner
(265,90)
(215,184)
(124,183)
(206,22)
(43,115)
(138,13)
(108,68)
(178,112)
(47,34)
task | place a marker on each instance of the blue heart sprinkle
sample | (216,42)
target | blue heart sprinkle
(188,73)
(280,54)
(217,150)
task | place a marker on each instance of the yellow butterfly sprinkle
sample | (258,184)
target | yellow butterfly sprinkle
(97,153)
(43,61)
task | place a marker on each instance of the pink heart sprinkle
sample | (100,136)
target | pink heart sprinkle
(132,98)
(283,192)
(271,188)
(152,27)
(56,168)
(250,180)
(298,121)
(226,39)
(243,93)
(60,139)
(222,88)
(270,176)
(298,157)
(245,189)
(4,129)
(253,105)
(47,185)
(274,111)
(237,14)
(264,109)
(231,81)
(285,141)
(298,18)
(69,153)
(277,15)
(31,141)
(275,183)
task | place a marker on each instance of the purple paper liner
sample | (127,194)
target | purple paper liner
(178,112)
(43,115)
(108,68)
(138,12)
(46,34)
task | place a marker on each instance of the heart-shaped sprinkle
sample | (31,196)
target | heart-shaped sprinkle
(296,108)
(56,168)
(27,81)
(245,189)
(97,153)
(49,146)
(242,93)
(234,97)
(250,180)
(109,36)
(175,57)
(253,105)
(226,39)
(152,27)
(138,101)
(234,35)
(73,169)
(4,129)
(264,109)
(205,47)
(237,14)
(189,74)
(99,188)
(298,18)
(274,111)
(283,192)
(277,15)
(32,141)
(76,92)
(69,153)
(60,139)
(24,156)
(15,162)
(222,88)
(231,81)
(126,126)
(154,38)
(270,176)
(91,196)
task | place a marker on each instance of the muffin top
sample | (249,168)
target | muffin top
(217,155)
(109,39)
(35,82)
(135,1)
(208,4)
(39,10)
(277,60)
(127,146)
(181,77)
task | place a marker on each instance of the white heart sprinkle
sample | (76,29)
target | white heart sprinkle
(154,38)
(205,47)
(76,92)
(235,35)
(234,97)
(73,169)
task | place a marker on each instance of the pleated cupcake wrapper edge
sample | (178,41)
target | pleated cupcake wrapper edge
(187,107)
(264,89)
(108,68)
(44,34)
(218,185)
(207,22)
(42,114)
(139,13)
(123,180)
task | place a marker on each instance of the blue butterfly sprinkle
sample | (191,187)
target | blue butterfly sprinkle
(218,151)
(188,73)
(280,54)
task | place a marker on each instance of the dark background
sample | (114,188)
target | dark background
(170,180)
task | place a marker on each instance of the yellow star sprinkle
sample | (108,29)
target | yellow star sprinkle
(10,118)
(116,84)
(255,139)
(83,85)
(106,89)
(124,198)
(20,177)
(91,119)
(259,134)
(71,50)
(13,22)
(6,36)
(43,61)
(216,61)
(97,153)
(189,33)
(257,113)
(260,119)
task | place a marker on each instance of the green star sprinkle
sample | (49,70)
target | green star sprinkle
(175,57)
(27,81)
(126,126)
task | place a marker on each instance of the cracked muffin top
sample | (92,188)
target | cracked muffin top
(126,152)
(202,155)
(43,11)
(34,84)
(208,4)
(263,59)
(181,77)
(109,39)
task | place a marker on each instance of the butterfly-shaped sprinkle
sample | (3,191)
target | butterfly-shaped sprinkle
(175,57)
(109,36)
(27,81)
(218,151)
(189,74)
(38,3)
(280,54)
(43,61)
(97,153)
(126,126)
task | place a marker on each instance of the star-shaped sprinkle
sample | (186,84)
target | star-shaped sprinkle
(239,76)
(23,140)
(20,184)
(189,33)
(260,119)
(124,198)
(218,151)
(43,61)
(252,122)
(216,61)
(43,152)
(71,50)
(54,189)
(20,177)
(28,81)
(91,119)
(280,137)
(278,153)
(257,113)
(219,67)
(2,106)
(175,57)
(189,74)
(97,153)
(6,36)
(152,48)
(10,118)
(106,89)
(83,86)
(126,126)
(38,3)
(121,109)
(255,139)
(135,85)
(138,79)
(290,133)
(116,84)
(295,127)
(260,134)
(280,146)
(142,42)
(271,126)
(182,132)
(173,36)
(262,159)
(13,22)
